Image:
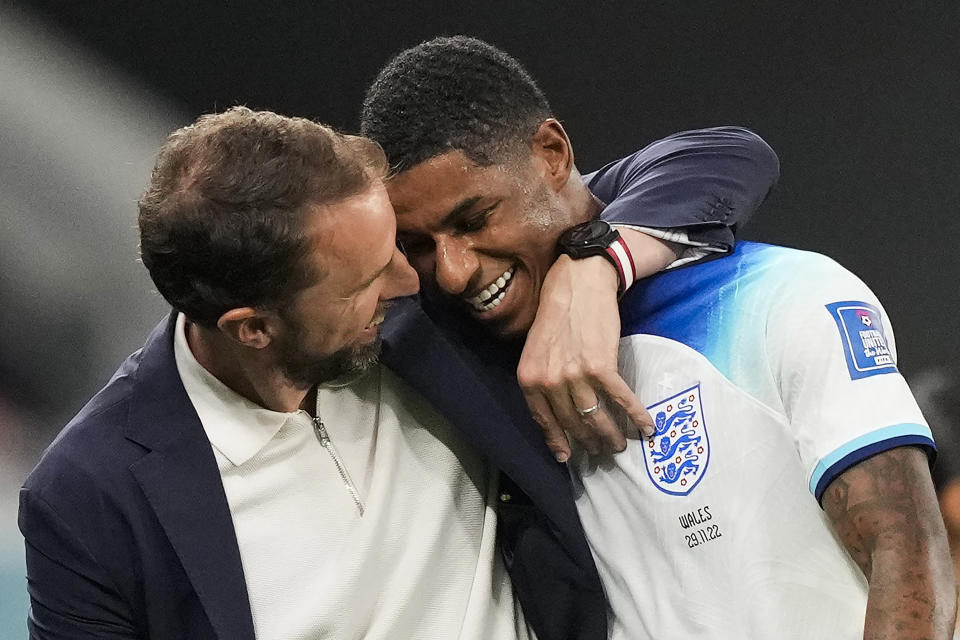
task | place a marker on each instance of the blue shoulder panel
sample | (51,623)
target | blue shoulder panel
(702,304)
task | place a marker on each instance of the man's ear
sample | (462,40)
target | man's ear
(247,326)
(551,146)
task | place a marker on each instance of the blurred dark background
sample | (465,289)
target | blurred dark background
(858,99)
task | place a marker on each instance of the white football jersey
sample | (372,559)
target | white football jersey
(768,373)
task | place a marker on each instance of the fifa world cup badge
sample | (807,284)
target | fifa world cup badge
(677,455)
(864,342)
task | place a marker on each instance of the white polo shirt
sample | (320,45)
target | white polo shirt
(421,562)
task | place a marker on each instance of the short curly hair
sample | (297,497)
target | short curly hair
(222,220)
(452,93)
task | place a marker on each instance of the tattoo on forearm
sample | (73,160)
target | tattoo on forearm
(885,512)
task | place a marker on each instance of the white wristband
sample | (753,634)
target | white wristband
(623,261)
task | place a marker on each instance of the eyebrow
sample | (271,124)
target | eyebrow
(462,207)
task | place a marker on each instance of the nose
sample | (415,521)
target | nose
(404,280)
(456,265)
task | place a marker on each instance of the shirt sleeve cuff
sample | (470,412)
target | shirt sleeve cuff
(694,249)
(870,444)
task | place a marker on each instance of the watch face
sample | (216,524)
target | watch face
(588,232)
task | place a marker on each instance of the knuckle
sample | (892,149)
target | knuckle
(555,440)
(527,376)
(523,371)
(597,370)
(571,371)
(541,419)
(533,384)
(552,381)
(529,364)
(593,369)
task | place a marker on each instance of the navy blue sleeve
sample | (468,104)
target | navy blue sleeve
(71,595)
(707,182)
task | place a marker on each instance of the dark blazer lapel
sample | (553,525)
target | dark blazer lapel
(180,480)
(466,393)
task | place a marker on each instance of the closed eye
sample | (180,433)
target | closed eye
(475,221)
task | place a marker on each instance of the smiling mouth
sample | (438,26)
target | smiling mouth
(492,295)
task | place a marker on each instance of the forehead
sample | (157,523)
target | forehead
(425,194)
(354,237)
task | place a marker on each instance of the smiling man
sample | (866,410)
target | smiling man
(253,472)
(484,234)
(771,374)
(678,199)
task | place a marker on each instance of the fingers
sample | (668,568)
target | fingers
(596,430)
(558,409)
(556,412)
(620,393)
(556,402)
(553,433)
(601,427)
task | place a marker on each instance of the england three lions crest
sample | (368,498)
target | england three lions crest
(677,454)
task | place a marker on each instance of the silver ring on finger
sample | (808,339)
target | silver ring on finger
(589,411)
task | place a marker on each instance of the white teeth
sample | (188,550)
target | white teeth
(493,294)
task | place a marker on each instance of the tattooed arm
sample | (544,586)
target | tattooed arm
(885,512)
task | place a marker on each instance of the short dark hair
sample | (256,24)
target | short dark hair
(222,220)
(452,93)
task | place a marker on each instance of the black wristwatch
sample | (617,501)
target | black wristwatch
(598,238)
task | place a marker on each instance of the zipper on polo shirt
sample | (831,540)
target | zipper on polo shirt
(324,437)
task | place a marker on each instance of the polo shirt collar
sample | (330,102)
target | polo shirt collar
(235,426)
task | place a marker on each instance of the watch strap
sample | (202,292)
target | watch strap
(619,254)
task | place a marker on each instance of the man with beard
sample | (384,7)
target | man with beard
(251,471)
(771,374)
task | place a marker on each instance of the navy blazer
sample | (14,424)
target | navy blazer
(127,528)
